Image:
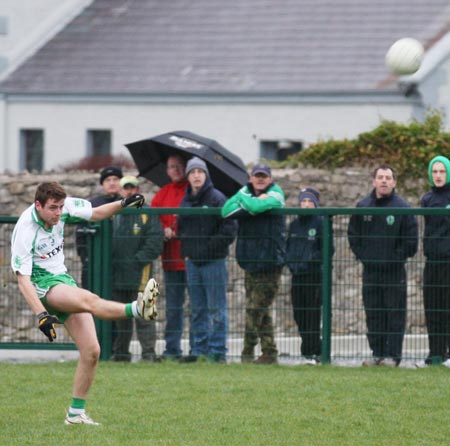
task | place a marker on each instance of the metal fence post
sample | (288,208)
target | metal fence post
(99,277)
(105,273)
(327,253)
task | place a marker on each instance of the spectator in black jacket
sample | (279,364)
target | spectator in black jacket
(110,180)
(204,247)
(383,244)
(304,260)
(436,276)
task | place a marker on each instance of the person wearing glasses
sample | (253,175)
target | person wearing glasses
(170,196)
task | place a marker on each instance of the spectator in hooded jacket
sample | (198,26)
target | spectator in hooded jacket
(260,251)
(436,276)
(204,247)
(304,260)
(383,243)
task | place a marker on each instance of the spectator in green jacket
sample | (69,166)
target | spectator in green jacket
(137,241)
(260,252)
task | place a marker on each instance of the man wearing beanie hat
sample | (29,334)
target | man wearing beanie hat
(196,163)
(136,241)
(111,171)
(436,276)
(204,246)
(304,260)
(110,181)
(308,193)
(383,244)
(260,252)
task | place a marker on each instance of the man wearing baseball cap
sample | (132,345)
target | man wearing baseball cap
(260,253)
(137,241)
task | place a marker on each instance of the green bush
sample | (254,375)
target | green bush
(408,148)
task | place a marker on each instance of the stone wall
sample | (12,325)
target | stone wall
(340,188)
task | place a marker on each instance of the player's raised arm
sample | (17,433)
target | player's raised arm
(109,209)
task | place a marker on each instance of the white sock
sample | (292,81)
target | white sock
(75,412)
(134,309)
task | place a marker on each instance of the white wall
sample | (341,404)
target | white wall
(238,127)
(434,84)
(439,84)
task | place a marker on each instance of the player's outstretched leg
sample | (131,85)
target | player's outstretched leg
(146,301)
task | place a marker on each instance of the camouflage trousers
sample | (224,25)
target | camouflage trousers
(261,290)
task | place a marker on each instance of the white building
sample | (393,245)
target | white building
(259,76)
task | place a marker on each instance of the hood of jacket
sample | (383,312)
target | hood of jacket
(439,159)
(198,196)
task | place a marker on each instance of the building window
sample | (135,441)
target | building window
(31,149)
(279,150)
(98,142)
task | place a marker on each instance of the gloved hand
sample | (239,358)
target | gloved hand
(46,322)
(136,200)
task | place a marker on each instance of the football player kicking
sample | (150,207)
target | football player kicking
(37,258)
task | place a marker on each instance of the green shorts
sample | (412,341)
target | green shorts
(43,283)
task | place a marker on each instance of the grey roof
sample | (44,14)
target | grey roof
(228,46)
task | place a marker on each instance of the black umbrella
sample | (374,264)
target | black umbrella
(227,171)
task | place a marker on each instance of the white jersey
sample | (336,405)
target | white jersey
(36,250)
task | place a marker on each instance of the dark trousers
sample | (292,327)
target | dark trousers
(384,298)
(145,330)
(306,297)
(175,289)
(436,300)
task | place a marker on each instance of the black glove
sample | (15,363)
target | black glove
(46,325)
(136,200)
